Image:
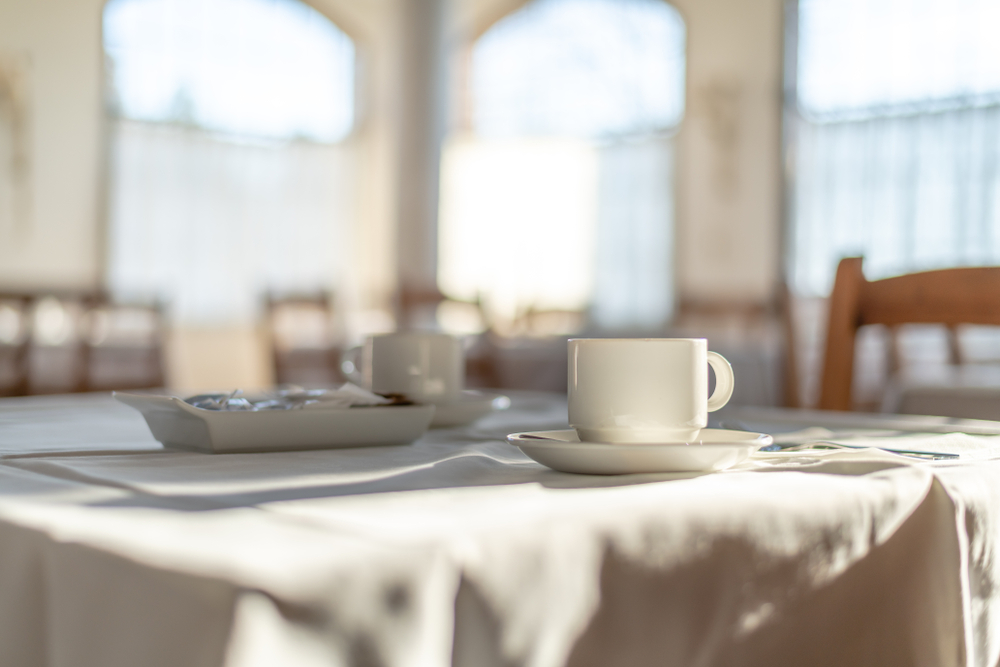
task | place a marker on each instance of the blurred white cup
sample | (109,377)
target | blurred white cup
(425,367)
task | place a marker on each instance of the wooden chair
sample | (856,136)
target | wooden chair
(542,323)
(42,365)
(121,345)
(97,354)
(416,309)
(16,348)
(304,338)
(950,297)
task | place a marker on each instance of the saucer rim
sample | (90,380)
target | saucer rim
(537,438)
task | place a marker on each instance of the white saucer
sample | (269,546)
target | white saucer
(470,406)
(715,449)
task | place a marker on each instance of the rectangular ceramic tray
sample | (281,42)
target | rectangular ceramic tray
(181,425)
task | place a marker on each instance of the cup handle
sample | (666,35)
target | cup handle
(350,365)
(724,381)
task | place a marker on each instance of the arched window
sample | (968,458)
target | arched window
(265,68)
(229,173)
(580,68)
(559,194)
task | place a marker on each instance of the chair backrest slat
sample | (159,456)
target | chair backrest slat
(947,296)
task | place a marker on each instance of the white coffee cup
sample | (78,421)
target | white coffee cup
(426,367)
(644,390)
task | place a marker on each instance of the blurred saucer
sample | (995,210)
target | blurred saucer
(469,407)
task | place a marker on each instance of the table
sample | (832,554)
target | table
(459,550)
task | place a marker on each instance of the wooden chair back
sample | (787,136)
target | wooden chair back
(304,339)
(121,345)
(948,296)
(93,352)
(14,353)
(417,308)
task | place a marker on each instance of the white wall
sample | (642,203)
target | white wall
(729,161)
(57,242)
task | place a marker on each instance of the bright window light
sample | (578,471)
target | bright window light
(519,231)
(585,68)
(858,54)
(276,69)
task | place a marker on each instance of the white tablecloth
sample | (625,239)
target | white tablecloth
(460,550)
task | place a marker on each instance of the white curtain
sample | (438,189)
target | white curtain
(896,137)
(209,224)
(909,192)
(633,273)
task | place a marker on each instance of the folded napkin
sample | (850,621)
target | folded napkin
(872,449)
